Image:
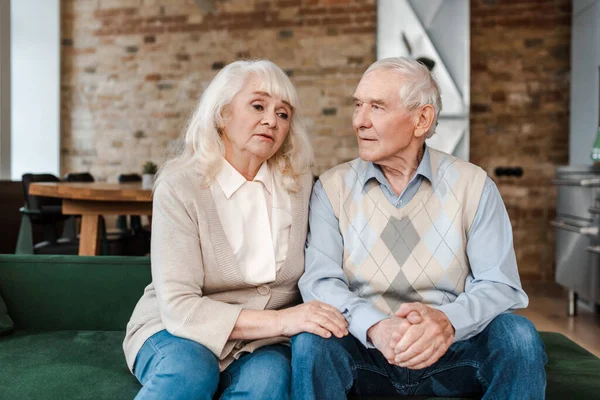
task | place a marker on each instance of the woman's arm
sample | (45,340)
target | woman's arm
(178,273)
(314,317)
(178,277)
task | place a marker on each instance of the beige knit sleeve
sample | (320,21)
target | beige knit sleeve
(178,275)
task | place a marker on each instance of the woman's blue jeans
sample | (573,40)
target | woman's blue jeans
(170,367)
(505,361)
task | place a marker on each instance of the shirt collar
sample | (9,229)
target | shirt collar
(264,175)
(373,171)
(231,180)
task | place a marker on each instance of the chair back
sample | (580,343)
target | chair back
(135,220)
(125,178)
(39,202)
(79,177)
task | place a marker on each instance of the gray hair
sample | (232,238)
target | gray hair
(203,147)
(419,86)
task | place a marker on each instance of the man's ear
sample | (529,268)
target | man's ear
(424,119)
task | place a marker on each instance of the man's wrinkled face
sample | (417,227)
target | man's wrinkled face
(382,124)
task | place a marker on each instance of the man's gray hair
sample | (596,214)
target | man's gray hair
(418,86)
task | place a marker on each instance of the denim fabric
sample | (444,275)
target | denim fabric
(505,361)
(170,367)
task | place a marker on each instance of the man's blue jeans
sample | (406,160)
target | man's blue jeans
(505,361)
(170,367)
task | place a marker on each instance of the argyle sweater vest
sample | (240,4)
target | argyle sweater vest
(415,253)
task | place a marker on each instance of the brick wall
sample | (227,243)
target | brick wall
(133,69)
(520,55)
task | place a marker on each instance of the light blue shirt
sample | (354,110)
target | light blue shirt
(492,288)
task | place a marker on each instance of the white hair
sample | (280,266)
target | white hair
(203,148)
(418,88)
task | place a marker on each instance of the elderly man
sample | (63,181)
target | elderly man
(414,247)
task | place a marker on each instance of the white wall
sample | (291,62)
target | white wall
(4,89)
(585,80)
(448,27)
(438,29)
(35,86)
(447,23)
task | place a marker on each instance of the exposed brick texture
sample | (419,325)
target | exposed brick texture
(132,66)
(520,57)
(132,71)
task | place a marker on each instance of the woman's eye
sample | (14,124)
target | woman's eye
(283,116)
(257,107)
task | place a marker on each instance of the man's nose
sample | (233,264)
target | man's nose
(361,118)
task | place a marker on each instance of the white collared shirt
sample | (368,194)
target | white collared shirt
(256,217)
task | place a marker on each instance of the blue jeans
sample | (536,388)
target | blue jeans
(505,361)
(170,367)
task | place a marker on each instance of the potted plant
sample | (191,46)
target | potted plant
(148,175)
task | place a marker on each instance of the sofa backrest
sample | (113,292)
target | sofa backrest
(59,292)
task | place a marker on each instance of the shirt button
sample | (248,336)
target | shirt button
(264,290)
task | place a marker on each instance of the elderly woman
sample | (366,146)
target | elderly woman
(228,233)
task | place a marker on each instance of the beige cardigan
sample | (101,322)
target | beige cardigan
(197,291)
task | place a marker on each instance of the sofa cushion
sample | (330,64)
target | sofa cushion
(572,372)
(72,292)
(91,365)
(6,324)
(65,365)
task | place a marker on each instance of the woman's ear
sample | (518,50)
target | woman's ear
(221,120)
(424,118)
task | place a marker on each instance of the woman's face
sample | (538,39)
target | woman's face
(256,122)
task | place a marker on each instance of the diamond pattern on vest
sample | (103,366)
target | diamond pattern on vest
(412,254)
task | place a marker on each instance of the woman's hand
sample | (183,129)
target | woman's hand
(314,317)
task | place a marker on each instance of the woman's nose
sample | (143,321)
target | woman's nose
(270,119)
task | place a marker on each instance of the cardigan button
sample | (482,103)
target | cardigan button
(264,290)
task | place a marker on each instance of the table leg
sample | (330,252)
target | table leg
(572,306)
(89,243)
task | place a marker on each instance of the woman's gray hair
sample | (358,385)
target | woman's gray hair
(419,86)
(203,147)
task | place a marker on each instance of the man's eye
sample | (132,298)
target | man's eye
(375,107)
(257,107)
(356,105)
(283,116)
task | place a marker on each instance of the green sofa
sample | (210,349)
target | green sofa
(70,314)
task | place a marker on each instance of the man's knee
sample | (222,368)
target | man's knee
(305,343)
(309,345)
(517,339)
(308,348)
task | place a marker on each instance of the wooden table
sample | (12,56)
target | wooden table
(91,200)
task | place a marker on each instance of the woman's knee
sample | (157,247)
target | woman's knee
(266,374)
(273,370)
(185,369)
